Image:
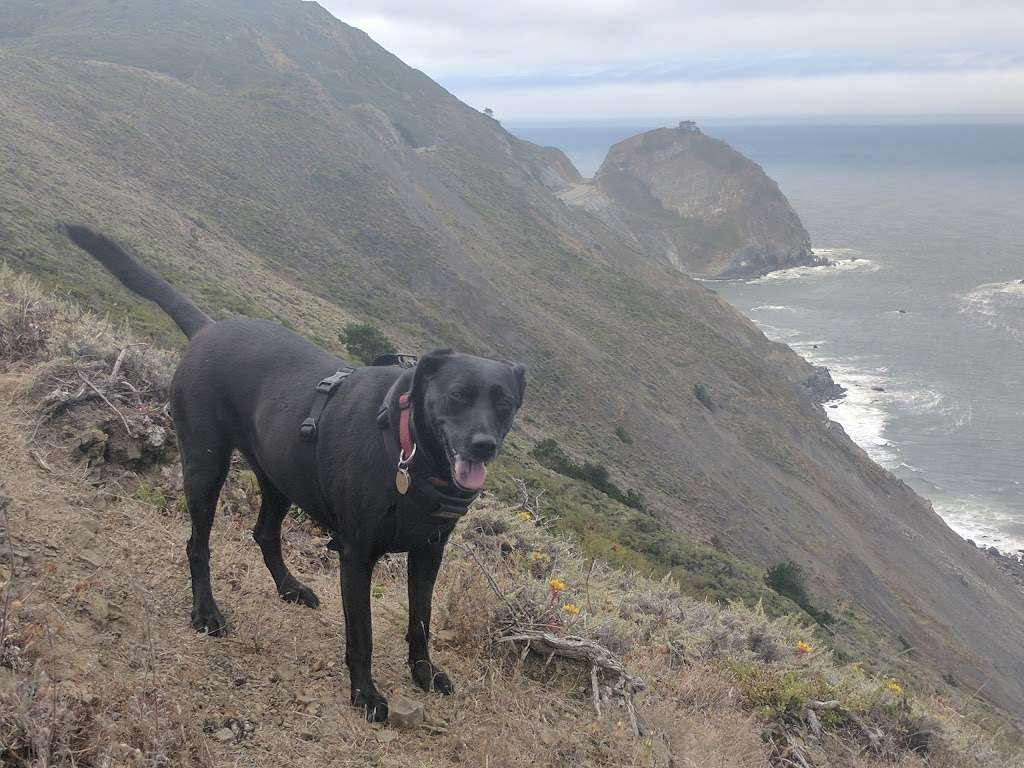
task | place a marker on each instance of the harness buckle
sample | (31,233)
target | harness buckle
(307,431)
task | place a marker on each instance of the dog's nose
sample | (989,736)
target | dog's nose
(483,447)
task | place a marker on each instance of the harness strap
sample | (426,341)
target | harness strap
(324,389)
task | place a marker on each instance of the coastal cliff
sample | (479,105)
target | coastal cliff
(697,203)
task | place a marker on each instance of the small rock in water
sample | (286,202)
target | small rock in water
(878,389)
(404,713)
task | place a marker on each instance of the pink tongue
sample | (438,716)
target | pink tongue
(470,475)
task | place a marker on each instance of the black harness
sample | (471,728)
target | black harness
(324,390)
(429,491)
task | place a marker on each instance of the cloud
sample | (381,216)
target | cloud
(522,58)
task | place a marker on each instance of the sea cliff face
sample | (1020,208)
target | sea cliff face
(697,203)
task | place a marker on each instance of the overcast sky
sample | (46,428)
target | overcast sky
(613,59)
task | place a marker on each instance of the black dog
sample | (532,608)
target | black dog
(386,459)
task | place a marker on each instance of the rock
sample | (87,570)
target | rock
(878,389)
(93,444)
(404,713)
(653,187)
(224,735)
(102,608)
(821,387)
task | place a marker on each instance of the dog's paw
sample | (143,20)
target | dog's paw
(374,706)
(209,621)
(430,678)
(297,592)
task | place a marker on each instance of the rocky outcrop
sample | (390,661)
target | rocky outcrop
(697,203)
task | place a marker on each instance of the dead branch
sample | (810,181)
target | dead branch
(41,461)
(873,736)
(113,407)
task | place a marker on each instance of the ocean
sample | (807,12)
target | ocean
(921,318)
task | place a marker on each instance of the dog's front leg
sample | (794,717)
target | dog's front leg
(356,570)
(423,566)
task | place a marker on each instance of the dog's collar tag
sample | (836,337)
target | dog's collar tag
(402,479)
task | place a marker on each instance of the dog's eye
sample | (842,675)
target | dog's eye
(459,396)
(505,405)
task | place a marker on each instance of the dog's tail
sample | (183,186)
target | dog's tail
(138,279)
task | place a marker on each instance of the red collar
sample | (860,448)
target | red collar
(404,428)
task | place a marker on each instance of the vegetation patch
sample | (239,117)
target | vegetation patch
(366,341)
(788,579)
(550,454)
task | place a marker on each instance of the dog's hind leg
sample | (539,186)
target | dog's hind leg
(205,460)
(267,533)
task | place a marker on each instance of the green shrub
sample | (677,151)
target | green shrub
(550,454)
(788,580)
(365,342)
(623,435)
(703,394)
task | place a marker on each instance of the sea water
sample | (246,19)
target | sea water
(922,315)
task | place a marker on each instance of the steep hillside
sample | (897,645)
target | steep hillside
(273,161)
(558,661)
(697,203)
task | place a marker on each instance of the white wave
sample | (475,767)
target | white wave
(772,308)
(864,411)
(873,396)
(981,521)
(997,305)
(840,260)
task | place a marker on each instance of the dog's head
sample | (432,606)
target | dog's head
(467,405)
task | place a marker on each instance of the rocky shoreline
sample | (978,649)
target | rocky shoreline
(822,387)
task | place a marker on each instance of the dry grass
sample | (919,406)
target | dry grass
(100,668)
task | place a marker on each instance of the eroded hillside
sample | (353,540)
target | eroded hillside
(99,666)
(272,161)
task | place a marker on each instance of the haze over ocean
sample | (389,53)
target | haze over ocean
(923,319)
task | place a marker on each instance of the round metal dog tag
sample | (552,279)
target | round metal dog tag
(402,481)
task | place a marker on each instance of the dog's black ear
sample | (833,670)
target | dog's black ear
(428,365)
(520,372)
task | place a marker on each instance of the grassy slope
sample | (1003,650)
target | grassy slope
(280,164)
(98,665)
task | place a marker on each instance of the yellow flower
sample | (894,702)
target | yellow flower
(525,516)
(571,608)
(803,647)
(894,688)
(538,556)
(557,584)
